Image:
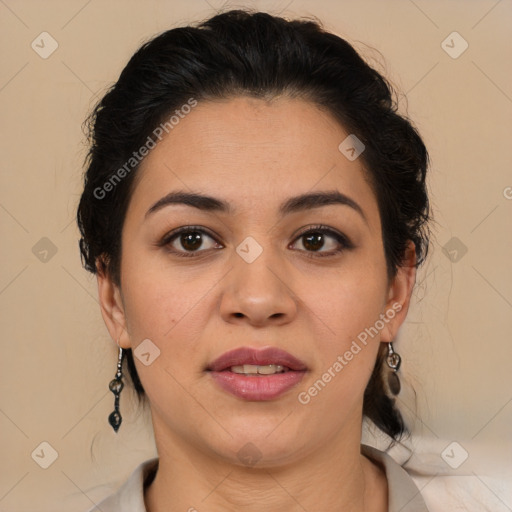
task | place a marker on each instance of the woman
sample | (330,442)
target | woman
(255,210)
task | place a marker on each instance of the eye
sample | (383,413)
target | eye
(323,241)
(316,241)
(187,240)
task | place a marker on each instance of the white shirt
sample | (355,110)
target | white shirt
(403,495)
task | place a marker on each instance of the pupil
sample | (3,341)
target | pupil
(314,241)
(191,241)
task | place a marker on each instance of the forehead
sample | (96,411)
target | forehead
(250,151)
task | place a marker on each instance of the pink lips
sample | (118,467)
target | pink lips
(257,387)
(246,355)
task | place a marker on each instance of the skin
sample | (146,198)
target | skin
(255,154)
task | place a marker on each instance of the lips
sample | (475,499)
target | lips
(252,387)
(246,355)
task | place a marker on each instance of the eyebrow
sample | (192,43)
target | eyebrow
(291,205)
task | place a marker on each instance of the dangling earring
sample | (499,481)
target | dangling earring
(116,385)
(393,361)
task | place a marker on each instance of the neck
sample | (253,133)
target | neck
(335,476)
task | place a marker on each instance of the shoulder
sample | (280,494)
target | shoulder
(403,495)
(130,496)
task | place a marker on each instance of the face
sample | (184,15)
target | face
(268,263)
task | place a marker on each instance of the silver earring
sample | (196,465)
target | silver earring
(394,361)
(116,385)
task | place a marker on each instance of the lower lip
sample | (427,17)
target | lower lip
(257,388)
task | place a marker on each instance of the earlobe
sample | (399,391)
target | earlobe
(399,296)
(112,309)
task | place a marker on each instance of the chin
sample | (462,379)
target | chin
(260,445)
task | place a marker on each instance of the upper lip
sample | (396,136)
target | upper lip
(247,355)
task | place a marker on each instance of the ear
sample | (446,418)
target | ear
(399,294)
(112,307)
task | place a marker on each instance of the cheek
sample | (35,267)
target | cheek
(159,295)
(160,306)
(170,311)
(345,311)
(347,302)
(345,351)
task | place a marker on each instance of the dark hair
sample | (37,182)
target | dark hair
(244,53)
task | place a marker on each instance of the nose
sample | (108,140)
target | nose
(258,293)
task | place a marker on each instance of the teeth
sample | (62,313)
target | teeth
(252,369)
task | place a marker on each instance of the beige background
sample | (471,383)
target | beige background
(56,355)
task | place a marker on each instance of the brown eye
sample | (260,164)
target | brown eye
(323,241)
(189,240)
(313,242)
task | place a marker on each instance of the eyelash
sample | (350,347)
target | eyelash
(322,229)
